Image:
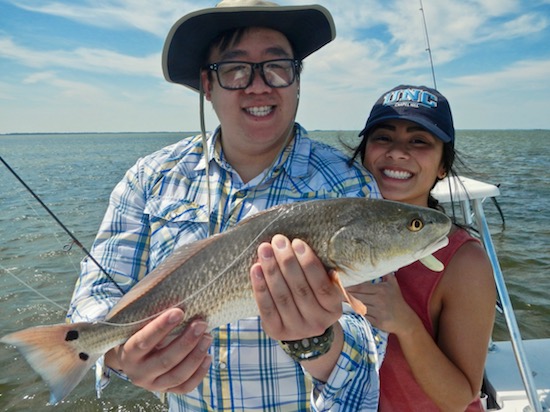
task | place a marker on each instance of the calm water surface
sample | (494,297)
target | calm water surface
(74,175)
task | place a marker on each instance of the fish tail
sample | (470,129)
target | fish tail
(56,354)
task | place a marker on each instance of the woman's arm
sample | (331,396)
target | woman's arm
(449,369)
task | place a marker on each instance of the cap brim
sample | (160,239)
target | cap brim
(308,28)
(430,127)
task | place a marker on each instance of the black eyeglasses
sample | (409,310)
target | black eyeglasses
(235,75)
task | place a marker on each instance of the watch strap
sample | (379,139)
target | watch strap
(309,348)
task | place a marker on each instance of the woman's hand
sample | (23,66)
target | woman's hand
(386,308)
(157,361)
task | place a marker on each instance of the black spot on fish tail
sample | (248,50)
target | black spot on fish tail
(71,335)
(83,356)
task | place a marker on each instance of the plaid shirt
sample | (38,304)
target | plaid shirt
(161,203)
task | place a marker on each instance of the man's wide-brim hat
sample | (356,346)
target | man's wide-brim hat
(308,28)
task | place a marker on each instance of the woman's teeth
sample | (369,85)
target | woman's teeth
(395,174)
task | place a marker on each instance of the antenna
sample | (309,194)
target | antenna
(428,48)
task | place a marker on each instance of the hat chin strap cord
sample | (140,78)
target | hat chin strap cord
(206,150)
(205,154)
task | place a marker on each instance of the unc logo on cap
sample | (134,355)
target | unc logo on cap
(419,104)
(410,98)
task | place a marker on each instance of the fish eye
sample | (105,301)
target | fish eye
(415,224)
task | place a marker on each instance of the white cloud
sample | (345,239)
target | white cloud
(452,26)
(77,92)
(521,26)
(150,16)
(520,76)
(85,59)
(515,97)
(379,44)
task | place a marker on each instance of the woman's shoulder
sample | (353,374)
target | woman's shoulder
(469,263)
(466,245)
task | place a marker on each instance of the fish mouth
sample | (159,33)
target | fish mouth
(433,247)
(259,111)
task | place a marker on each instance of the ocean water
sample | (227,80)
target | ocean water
(74,175)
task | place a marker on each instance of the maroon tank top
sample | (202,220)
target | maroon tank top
(398,388)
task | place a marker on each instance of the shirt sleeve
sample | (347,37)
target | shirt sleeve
(354,383)
(121,248)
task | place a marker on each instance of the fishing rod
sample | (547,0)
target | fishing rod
(428,48)
(60,223)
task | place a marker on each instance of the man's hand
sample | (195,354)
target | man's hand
(296,297)
(158,362)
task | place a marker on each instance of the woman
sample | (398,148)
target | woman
(440,323)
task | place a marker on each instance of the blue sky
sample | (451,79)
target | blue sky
(94,65)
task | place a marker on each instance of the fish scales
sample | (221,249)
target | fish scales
(361,238)
(207,282)
(218,271)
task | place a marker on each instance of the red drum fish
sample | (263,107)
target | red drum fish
(361,239)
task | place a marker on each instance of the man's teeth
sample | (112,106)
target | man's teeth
(395,174)
(260,111)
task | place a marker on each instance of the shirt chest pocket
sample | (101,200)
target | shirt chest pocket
(174,222)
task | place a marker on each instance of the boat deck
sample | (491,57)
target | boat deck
(503,373)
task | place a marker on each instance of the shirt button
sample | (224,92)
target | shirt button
(222,365)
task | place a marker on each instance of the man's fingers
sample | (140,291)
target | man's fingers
(194,380)
(184,360)
(154,372)
(273,278)
(326,292)
(296,288)
(152,334)
(266,306)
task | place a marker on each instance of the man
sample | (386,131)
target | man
(245,57)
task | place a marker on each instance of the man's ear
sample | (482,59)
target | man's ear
(206,84)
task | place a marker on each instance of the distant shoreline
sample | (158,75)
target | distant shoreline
(198,132)
(80,133)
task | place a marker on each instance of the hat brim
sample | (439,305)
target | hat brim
(308,28)
(430,127)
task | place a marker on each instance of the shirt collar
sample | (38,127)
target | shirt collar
(293,159)
(296,164)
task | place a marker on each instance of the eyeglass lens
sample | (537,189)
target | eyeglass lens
(239,75)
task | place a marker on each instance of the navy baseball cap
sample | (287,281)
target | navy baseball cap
(419,104)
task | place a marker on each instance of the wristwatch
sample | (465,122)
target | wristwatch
(308,348)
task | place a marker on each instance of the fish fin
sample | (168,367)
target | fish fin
(358,306)
(432,263)
(53,352)
(160,273)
